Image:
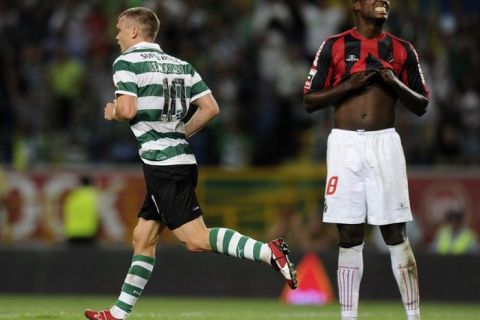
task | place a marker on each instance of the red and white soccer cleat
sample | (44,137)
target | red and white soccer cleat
(281,263)
(99,315)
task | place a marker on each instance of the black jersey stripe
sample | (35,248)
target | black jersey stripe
(385,49)
(352,50)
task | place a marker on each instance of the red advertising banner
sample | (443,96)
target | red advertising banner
(432,196)
(34,201)
(31,209)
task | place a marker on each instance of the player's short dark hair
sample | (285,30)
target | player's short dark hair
(147,20)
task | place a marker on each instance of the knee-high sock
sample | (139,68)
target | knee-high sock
(232,243)
(405,271)
(349,276)
(137,277)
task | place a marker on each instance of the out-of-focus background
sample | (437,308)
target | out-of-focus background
(261,162)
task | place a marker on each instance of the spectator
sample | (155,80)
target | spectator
(454,236)
(81,214)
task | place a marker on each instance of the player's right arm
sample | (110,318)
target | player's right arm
(121,109)
(124,107)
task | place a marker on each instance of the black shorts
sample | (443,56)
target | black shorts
(170,195)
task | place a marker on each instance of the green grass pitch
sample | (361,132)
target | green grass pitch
(148,307)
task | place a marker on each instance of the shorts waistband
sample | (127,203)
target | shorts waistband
(363,132)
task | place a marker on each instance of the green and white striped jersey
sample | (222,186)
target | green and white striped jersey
(164,86)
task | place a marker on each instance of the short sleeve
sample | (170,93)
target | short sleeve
(320,75)
(125,78)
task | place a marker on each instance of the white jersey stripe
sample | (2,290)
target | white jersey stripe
(135,281)
(220,236)
(127,298)
(232,247)
(143,264)
(248,252)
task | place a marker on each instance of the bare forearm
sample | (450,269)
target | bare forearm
(199,120)
(413,101)
(322,99)
(318,100)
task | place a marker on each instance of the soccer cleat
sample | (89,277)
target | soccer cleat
(281,263)
(99,315)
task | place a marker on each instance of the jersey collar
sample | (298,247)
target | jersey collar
(144,45)
(354,32)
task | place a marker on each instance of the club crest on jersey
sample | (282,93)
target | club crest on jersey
(351,58)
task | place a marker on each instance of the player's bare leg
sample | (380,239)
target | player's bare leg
(198,238)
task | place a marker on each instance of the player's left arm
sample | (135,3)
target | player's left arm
(207,109)
(410,87)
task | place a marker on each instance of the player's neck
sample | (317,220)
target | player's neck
(369,29)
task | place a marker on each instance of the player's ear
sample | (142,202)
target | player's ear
(134,31)
(356,6)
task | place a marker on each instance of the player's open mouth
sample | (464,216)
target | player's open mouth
(381,10)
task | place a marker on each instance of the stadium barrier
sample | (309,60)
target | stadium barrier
(247,200)
(101,270)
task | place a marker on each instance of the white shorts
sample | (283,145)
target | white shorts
(366,178)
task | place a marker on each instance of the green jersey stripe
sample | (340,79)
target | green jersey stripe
(139,271)
(226,240)
(153,135)
(156,90)
(151,90)
(146,115)
(198,88)
(256,250)
(241,247)
(147,259)
(124,306)
(167,153)
(213,239)
(127,86)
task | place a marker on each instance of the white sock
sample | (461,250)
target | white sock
(405,272)
(349,276)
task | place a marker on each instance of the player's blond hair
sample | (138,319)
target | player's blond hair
(146,19)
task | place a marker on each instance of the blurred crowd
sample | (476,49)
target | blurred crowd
(55,78)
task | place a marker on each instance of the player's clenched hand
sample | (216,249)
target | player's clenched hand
(388,76)
(108,112)
(360,79)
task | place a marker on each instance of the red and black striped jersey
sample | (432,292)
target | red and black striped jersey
(342,55)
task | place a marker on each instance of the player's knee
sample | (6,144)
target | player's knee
(141,242)
(350,235)
(394,239)
(195,245)
(350,242)
(394,234)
